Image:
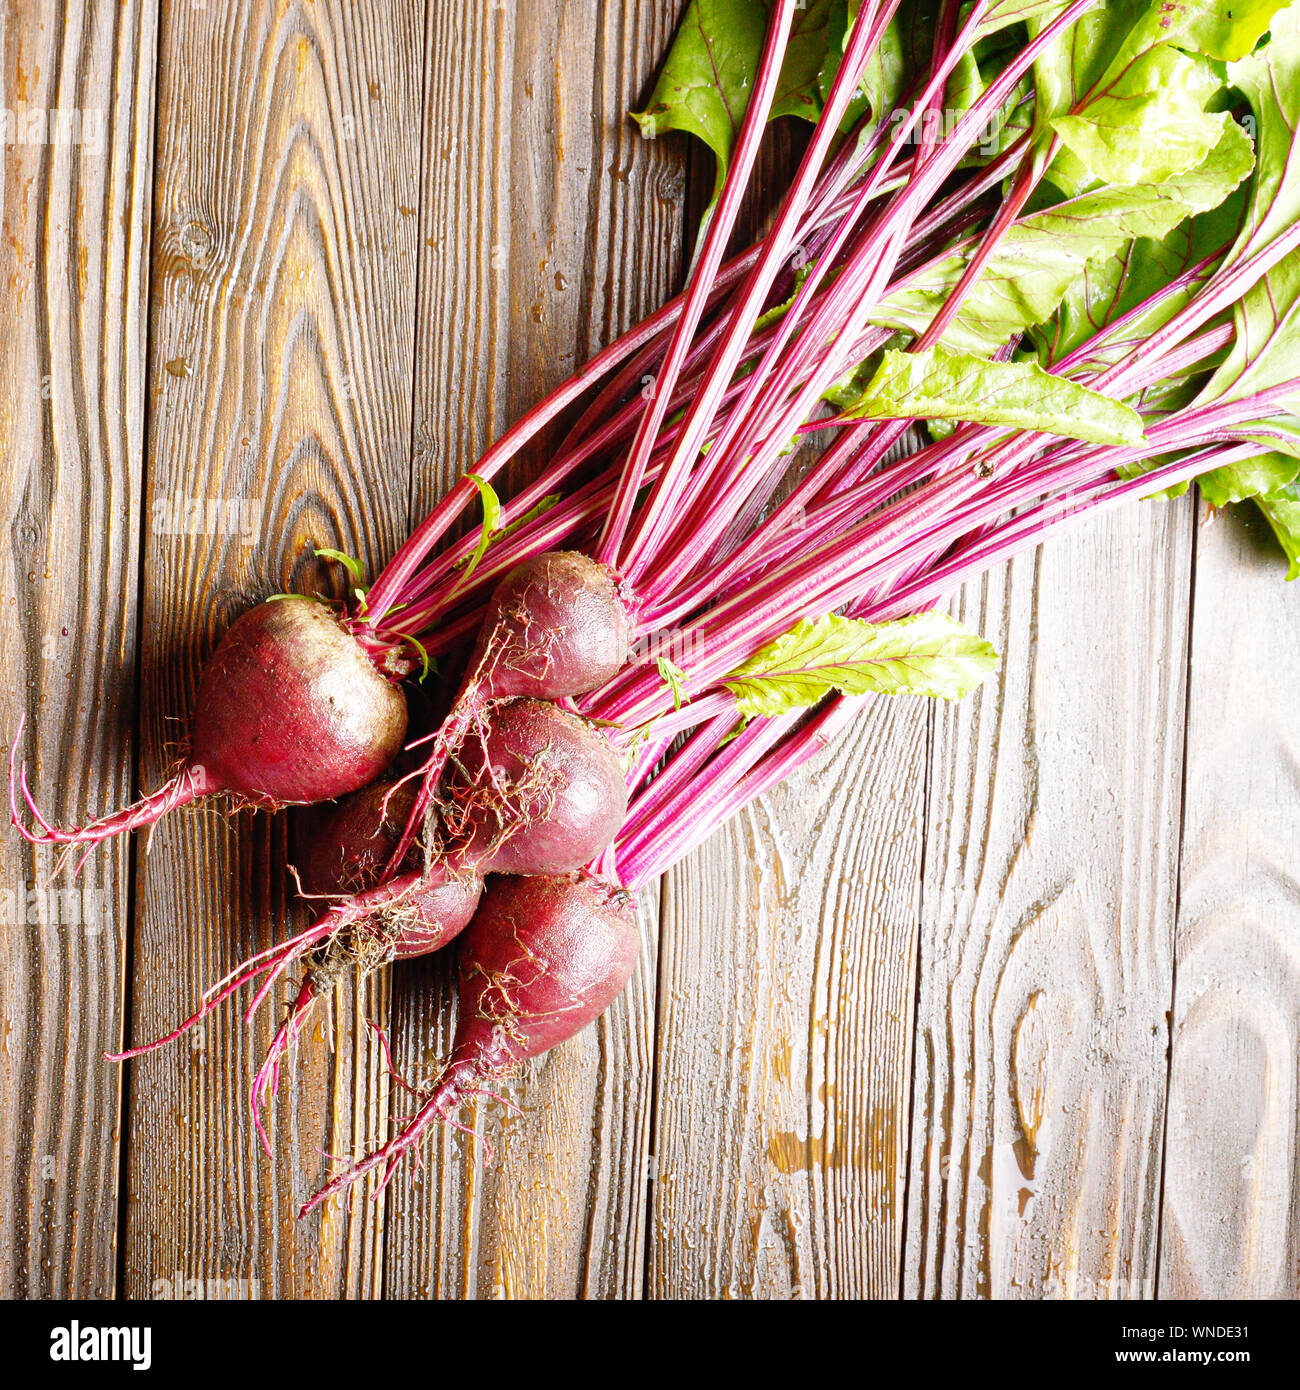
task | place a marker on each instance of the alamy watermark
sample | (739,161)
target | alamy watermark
(59,125)
(86,909)
(207,516)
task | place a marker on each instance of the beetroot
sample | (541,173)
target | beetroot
(344,849)
(290,709)
(341,847)
(556,625)
(542,958)
(535,791)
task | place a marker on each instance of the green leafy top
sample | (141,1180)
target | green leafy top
(1045,252)
(675,679)
(940,384)
(491,520)
(927,654)
(1282,511)
(353,566)
(1266,352)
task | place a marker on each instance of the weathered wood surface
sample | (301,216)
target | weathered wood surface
(1231,1213)
(548,226)
(1047,923)
(981,1004)
(74,263)
(787,982)
(281,356)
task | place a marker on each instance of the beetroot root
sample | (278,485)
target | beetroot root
(556,625)
(344,848)
(536,791)
(290,709)
(541,960)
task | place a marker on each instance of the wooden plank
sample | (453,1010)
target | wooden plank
(787,976)
(282,337)
(1231,1214)
(78,84)
(548,226)
(1047,924)
(787,982)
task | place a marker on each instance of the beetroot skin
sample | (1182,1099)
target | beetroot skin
(555,625)
(536,791)
(543,957)
(342,847)
(541,960)
(345,847)
(290,709)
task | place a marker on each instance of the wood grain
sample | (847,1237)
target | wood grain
(282,338)
(903,1027)
(548,226)
(786,986)
(73,286)
(1047,922)
(1231,1215)
(787,979)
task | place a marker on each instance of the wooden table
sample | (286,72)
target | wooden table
(996,1000)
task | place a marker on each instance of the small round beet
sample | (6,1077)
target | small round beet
(542,958)
(343,850)
(555,625)
(290,708)
(535,790)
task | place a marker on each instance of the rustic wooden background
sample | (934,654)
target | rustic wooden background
(998,1000)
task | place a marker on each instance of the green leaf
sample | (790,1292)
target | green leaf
(1045,252)
(849,388)
(1003,13)
(703,87)
(945,385)
(1265,473)
(491,515)
(927,654)
(427,664)
(1225,29)
(1282,511)
(675,679)
(779,311)
(798,89)
(1148,122)
(705,82)
(352,566)
(530,515)
(1128,276)
(501,532)
(1127,86)
(904,50)
(1266,350)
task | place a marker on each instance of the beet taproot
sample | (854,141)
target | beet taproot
(290,708)
(543,957)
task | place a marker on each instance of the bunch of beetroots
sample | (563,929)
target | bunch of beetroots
(528,794)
